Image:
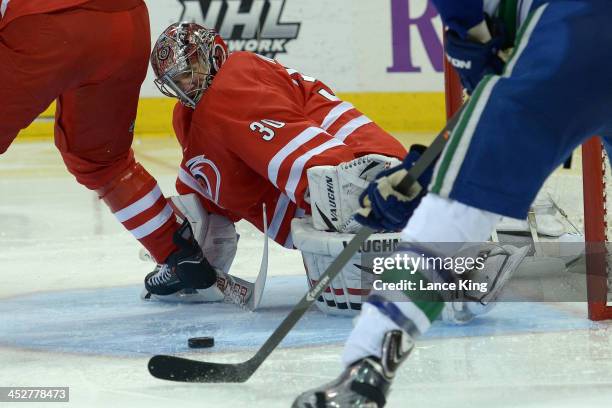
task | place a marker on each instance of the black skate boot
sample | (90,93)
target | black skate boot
(187,268)
(366,383)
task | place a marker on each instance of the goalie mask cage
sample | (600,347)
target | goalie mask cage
(596,178)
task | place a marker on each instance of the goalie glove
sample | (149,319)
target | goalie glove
(473,59)
(383,208)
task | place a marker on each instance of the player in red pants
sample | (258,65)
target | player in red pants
(91,56)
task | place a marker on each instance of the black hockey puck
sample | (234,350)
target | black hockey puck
(201,342)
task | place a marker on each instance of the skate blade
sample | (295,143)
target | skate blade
(209,295)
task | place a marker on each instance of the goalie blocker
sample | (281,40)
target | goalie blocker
(334,190)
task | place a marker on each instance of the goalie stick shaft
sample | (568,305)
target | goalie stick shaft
(185,370)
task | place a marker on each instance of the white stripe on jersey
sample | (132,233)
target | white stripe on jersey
(279,216)
(335,114)
(192,183)
(292,146)
(523,12)
(298,165)
(3,6)
(346,130)
(153,224)
(139,206)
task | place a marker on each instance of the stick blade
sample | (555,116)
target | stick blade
(184,370)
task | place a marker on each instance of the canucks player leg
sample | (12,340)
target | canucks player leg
(516,129)
(391,321)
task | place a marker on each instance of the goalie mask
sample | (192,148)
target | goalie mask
(185,59)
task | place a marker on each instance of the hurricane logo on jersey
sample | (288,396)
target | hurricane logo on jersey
(207,175)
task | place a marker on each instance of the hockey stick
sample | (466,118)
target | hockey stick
(254,290)
(185,370)
(260,282)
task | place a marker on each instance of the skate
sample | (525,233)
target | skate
(185,269)
(366,383)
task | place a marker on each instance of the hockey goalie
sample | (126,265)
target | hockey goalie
(254,135)
(257,135)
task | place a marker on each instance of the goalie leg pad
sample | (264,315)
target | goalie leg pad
(350,288)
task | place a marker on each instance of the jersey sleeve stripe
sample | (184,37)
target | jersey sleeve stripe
(335,114)
(279,215)
(295,175)
(153,224)
(346,130)
(292,146)
(139,206)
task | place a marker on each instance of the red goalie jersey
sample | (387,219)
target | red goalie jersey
(256,131)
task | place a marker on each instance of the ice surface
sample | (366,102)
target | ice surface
(70,316)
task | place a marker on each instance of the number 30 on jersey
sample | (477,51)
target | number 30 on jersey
(264,127)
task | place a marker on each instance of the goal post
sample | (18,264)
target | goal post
(595,172)
(454,91)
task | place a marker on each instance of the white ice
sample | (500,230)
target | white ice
(70,316)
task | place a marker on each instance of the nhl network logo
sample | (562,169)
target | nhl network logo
(246,25)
